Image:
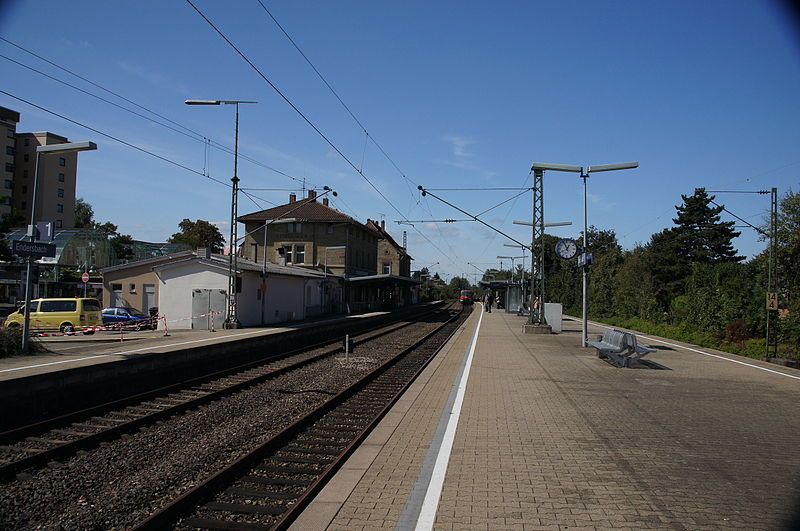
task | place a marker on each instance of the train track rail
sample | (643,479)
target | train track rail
(269,486)
(53,440)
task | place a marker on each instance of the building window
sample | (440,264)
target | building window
(24,205)
(329,229)
(10,150)
(25,173)
(255,252)
(59,208)
(116,287)
(294,227)
(387,269)
(25,157)
(9,167)
(24,189)
(132,288)
(27,142)
(62,161)
(299,254)
(9,184)
(59,223)
(287,254)
(60,177)
(10,133)
(60,192)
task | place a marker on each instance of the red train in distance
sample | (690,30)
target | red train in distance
(466,296)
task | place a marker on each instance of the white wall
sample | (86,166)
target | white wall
(286,297)
(175,290)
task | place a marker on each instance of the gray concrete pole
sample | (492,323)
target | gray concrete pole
(585,327)
(26,324)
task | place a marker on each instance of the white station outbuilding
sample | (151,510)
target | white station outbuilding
(192,290)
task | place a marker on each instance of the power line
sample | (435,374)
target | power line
(304,117)
(505,189)
(350,112)
(123,142)
(194,135)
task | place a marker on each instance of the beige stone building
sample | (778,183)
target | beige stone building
(57,180)
(392,257)
(311,234)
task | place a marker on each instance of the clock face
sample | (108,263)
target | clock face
(566,249)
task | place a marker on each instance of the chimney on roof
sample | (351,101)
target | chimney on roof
(292,197)
(312,194)
(383,225)
(325,201)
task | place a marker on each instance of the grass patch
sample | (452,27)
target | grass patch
(11,343)
(751,348)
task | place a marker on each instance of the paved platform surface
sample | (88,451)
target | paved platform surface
(551,437)
(66,352)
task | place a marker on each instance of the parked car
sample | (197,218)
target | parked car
(58,314)
(128,316)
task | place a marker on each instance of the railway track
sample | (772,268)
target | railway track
(269,486)
(54,440)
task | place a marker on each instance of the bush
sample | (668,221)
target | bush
(11,343)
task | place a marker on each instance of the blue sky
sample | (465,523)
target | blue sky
(459,94)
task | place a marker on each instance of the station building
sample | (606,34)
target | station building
(308,233)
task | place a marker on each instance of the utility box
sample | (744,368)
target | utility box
(553,312)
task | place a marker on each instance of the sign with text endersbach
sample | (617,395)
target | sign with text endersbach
(36,249)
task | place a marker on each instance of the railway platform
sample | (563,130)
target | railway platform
(506,430)
(69,352)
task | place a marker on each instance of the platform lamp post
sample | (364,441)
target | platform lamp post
(52,149)
(231,319)
(584,261)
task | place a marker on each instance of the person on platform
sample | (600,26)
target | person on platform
(489,300)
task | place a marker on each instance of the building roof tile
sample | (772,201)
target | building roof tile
(303,210)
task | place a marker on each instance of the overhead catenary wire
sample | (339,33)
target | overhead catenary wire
(306,119)
(336,94)
(179,128)
(123,142)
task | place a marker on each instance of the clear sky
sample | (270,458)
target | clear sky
(458,94)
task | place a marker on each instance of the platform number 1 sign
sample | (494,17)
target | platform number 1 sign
(772,301)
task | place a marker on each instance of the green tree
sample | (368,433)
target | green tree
(8,221)
(84,214)
(702,237)
(199,233)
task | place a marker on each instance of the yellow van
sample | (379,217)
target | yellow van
(59,314)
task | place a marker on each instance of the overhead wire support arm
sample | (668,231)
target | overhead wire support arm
(410,221)
(475,218)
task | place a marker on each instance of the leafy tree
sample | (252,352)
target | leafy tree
(84,214)
(14,219)
(634,290)
(199,233)
(121,244)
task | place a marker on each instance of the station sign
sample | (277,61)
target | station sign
(34,249)
(772,301)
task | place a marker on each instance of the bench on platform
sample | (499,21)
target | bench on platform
(620,347)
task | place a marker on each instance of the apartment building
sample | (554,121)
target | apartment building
(57,175)
(55,198)
(8,120)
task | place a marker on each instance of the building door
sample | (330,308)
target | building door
(148,297)
(116,295)
(208,308)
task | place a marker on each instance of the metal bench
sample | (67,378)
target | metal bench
(620,348)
